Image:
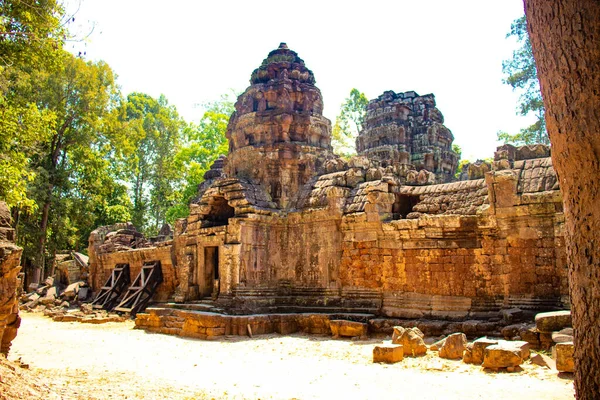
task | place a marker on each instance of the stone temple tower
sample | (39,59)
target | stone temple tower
(278,137)
(408,131)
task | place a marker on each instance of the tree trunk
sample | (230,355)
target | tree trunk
(41,254)
(565,36)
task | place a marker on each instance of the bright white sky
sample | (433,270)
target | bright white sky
(195,51)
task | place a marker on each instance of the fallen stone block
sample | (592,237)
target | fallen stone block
(496,356)
(33,286)
(468,354)
(454,346)
(479,347)
(437,345)
(71,290)
(342,328)
(510,331)
(562,353)
(411,339)
(553,321)
(562,336)
(70,318)
(48,300)
(388,353)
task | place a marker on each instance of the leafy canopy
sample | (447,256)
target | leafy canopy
(521,75)
(349,123)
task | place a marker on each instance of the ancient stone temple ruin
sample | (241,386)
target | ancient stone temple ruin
(283,225)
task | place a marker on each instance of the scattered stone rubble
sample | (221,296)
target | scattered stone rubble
(63,301)
(490,353)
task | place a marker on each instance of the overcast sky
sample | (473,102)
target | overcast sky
(194,51)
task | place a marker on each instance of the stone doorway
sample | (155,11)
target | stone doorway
(404,205)
(210,284)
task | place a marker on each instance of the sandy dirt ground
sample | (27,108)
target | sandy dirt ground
(115,361)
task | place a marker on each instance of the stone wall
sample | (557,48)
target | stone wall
(284,225)
(10,266)
(103,264)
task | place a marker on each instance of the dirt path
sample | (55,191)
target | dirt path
(115,361)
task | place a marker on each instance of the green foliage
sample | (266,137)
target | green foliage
(522,75)
(152,137)
(457,149)
(74,154)
(31,37)
(349,123)
(73,183)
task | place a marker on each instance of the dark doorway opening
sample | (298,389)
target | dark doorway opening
(210,285)
(404,205)
(220,212)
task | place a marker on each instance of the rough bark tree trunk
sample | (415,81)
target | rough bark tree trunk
(565,36)
(41,253)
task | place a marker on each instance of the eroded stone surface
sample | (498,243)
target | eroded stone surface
(553,321)
(505,354)
(406,131)
(453,346)
(341,328)
(411,339)
(562,353)
(389,354)
(479,347)
(10,260)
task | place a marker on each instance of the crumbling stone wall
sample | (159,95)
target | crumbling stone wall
(10,265)
(117,244)
(284,225)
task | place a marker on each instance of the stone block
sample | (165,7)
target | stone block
(499,356)
(453,346)
(479,347)
(553,321)
(562,336)
(562,353)
(342,328)
(411,339)
(437,345)
(390,353)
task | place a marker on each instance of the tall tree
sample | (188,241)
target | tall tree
(154,133)
(349,123)
(521,75)
(565,37)
(31,38)
(70,165)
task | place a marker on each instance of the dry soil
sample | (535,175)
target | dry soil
(71,360)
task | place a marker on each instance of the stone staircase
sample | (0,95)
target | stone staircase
(204,305)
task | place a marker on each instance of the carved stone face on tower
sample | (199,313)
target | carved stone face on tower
(278,137)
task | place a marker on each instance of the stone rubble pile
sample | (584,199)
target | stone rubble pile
(51,294)
(494,354)
(124,239)
(85,314)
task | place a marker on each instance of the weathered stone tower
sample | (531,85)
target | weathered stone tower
(407,130)
(278,137)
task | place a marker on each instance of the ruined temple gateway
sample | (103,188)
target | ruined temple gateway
(284,225)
